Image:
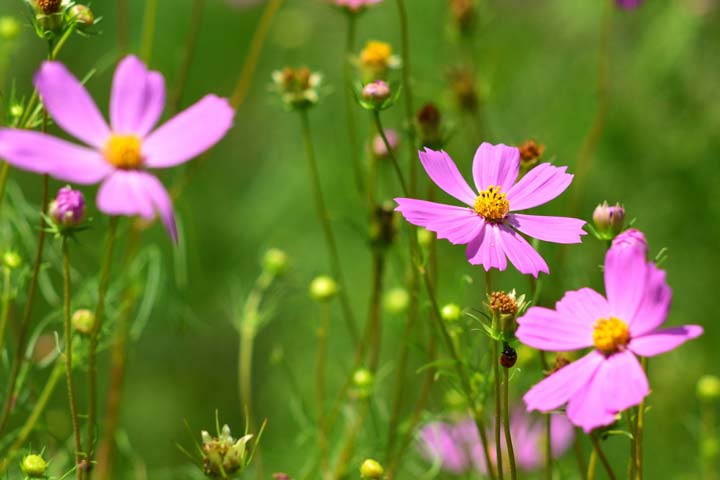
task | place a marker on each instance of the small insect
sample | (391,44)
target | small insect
(508,357)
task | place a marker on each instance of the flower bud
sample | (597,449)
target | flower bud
(371,470)
(378,144)
(11,260)
(429,120)
(376,92)
(83,17)
(48,7)
(34,466)
(608,220)
(451,313)
(530,153)
(9,28)
(224,455)
(323,289)
(298,87)
(275,261)
(708,388)
(68,208)
(462,83)
(83,321)
(383,226)
(463,14)
(376,60)
(396,301)
(424,237)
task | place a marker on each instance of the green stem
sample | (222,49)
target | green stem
(633,451)
(322,334)
(506,421)
(188,53)
(5,306)
(498,408)
(391,154)
(591,466)
(350,102)
(407,87)
(68,360)
(95,334)
(548,447)
(601,455)
(639,428)
(123,26)
(148,35)
(324,217)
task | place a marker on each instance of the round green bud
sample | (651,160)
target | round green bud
(396,300)
(424,237)
(12,260)
(609,220)
(34,466)
(450,312)
(371,470)
(9,28)
(455,400)
(16,111)
(83,321)
(363,378)
(83,17)
(323,289)
(708,388)
(275,261)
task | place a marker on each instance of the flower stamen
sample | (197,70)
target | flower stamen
(492,205)
(124,152)
(610,335)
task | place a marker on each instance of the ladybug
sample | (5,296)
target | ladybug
(508,357)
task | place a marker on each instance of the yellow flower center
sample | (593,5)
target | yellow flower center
(492,205)
(123,151)
(376,53)
(610,335)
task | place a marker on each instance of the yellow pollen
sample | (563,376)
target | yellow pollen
(610,335)
(376,54)
(123,151)
(492,205)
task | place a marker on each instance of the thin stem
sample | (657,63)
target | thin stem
(579,457)
(591,466)
(188,53)
(633,451)
(391,154)
(148,35)
(322,334)
(506,421)
(95,334)
(5,306)
(548,447)
(601,455)
(324,217)
(349,100)
(123,26)
(498,409)
(38,409)
(639,427)
(68,360)
(407,87)
(245,357)
(374,319)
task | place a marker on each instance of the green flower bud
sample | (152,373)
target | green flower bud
(11,260)
(609,220)
(34,466)
(450,313)
(424,237)
(275,261)
(83,17)
(323,289)
(9,28)
(396,301)
(83,321)
(363,378)
(371,470)
(16,110)
(708,388)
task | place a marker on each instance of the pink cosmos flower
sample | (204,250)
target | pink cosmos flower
(355,5)
(619,326)
(117,155)
(488,223)
(457,449)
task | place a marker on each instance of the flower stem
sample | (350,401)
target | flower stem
(506,421)
(324,217)
(498,408)
(591,466)
(95,334)
(188,54)
(407,87)
(5,305)
(639,428)
(148,34)
(391,154)
(548,448)
(597,450)
(322,334)
(632,464)
(349,100)
(123,26)
(68,360)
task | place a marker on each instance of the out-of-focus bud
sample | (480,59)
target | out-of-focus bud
(463,14)
(34,466)
(376,92)
(363,378)
(376,60)
(379,149)
(451,313)
(281,476)
(708,388)
(223,455)
(464,88)
(298,87)
(323,289)
(530,153)
(354,6)
(371,470)
(455,400)
(83,321)
(16,111)
(383,226)
(82,16)
(429,120)
(48,6)
(425,237)
(608,220)
(396,301)
(68,208)
(275,261)
(9,28)
(12,260)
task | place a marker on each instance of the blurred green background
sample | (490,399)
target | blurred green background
(537,63)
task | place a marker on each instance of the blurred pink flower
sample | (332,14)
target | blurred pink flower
(488,223)
(457,448)
(378,145)
(355,5)
(118,155)
(609,379)
(628,4)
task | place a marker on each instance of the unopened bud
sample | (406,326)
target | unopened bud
(83,321)
(363,378)
(464,88)
(11,260)
(609,220)
(379,149)
(371,470)
(34,466)
(376,92)
(451,313)
(275,261)
(9,28)
(429,119)
(323,289)
(463,14)
(530,153)
(68,208)
(397,300)
(424,237)
(16,110)
(708,388)
(83,17)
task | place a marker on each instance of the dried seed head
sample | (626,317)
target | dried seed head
(530,153)
(48,7)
